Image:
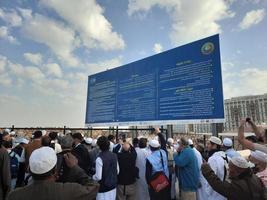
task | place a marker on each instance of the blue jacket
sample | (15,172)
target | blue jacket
(188,169)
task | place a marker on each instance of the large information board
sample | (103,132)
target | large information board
(181,85)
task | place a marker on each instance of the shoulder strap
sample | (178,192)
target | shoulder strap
(161,160)
(225,170)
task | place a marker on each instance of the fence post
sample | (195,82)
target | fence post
(64,130)
(117,133)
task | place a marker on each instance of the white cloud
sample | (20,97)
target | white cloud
(59,38)
(250,81)
(93,68)
(34,58)
(11,17)
(188,22)
(5,79)
(87,18)
(54,70)
(3,62)
(4,34)
(30,73)
(157,48)
(252,18)
(25,13)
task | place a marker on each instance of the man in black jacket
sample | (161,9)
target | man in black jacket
(80,152)
(126,189)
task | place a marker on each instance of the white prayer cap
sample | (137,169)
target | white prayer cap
(240,162)
(215,140)
(24,141)
(249,134)
(170,140)
(227,142)
(94,142)
(154,143)
(43,132)
(190,142)
(42,160)
(12,133)
(259,155)
(7,130)
(88,140)
(60,134)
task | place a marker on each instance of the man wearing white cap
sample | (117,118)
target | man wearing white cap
(244,184)
(142,154)
(42,168)
(88,143)
(259,159)
(157,162)
(20,151)
(218,163)
(229,150)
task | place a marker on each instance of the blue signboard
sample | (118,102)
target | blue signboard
(181,85)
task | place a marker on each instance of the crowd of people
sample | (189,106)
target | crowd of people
(72,166)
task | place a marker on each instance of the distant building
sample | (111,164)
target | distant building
(254,106)
(237,108)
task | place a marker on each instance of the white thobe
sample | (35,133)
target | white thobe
(141,186)
(110,195)
(201,192)
(216,163)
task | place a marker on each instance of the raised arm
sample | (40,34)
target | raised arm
(241,136)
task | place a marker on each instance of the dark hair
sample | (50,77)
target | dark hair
(103,143)
(77,136)
(37,134)
(142,143)
(7,144)
(218,147)
(45,175)
(111,137)
(46,141)
(135,142)
(53,135)
(184,141)
(252,138)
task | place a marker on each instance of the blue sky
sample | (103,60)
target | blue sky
(49,47)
